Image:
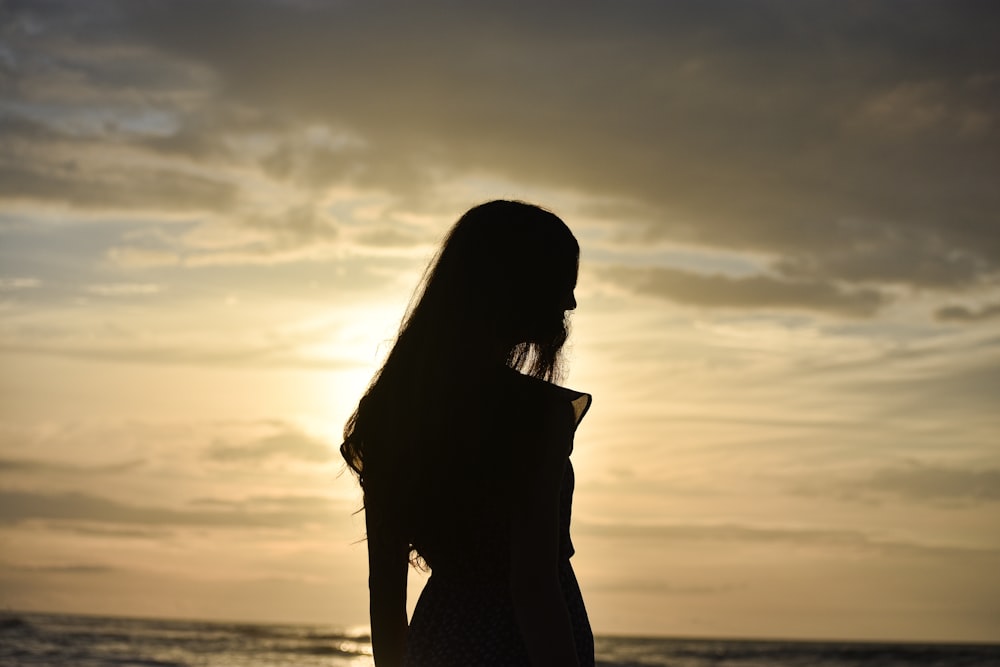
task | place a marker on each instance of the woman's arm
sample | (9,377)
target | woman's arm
(388,562)
(539,605)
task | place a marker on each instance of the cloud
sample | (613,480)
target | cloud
(11,284)
(964,314)
(136,257)
(184,355)
(750,292)
(124,289)
(125,347)
(739,147)
(734,533)
(875,252)
(103,531)
(661,587)
(19,506)
(115,188)
(22,466)
(921,481)
(254,503)
(732,126)
(288,443)
(69,568)
(942,485)
(954,381)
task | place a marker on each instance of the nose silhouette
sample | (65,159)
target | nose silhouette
(571,303)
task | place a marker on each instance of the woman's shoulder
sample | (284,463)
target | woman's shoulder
(546,400)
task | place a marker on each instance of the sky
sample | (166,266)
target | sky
(213,215)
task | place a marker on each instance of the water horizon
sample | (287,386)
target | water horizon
(44,639)
(350,629)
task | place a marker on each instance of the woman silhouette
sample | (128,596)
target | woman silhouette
(461,445)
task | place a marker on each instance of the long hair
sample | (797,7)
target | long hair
(493,297)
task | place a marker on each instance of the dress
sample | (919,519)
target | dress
(465,616)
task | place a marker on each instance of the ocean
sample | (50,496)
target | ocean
(44,640)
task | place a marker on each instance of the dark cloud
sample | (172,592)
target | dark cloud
(43,163)
(18,506)
(288,443)
(253,503)
(22,466)
(955,393)
(963,314)
(71,568)
(858,143)
(122,188)
(737,534)
(942,485)
(300,223)
(661,587)
(754,292)
(725,532)
(386,237)
(115,532)
(885,254)
(278,356)
(760,126)
(918,481)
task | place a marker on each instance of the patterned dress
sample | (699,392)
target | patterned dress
(465,615)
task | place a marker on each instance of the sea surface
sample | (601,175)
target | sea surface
(37,640)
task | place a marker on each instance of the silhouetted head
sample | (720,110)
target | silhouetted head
(500,287)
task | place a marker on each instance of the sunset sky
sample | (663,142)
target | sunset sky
(213,214)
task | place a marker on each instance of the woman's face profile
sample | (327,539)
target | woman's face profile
(549,321)
(569,303)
